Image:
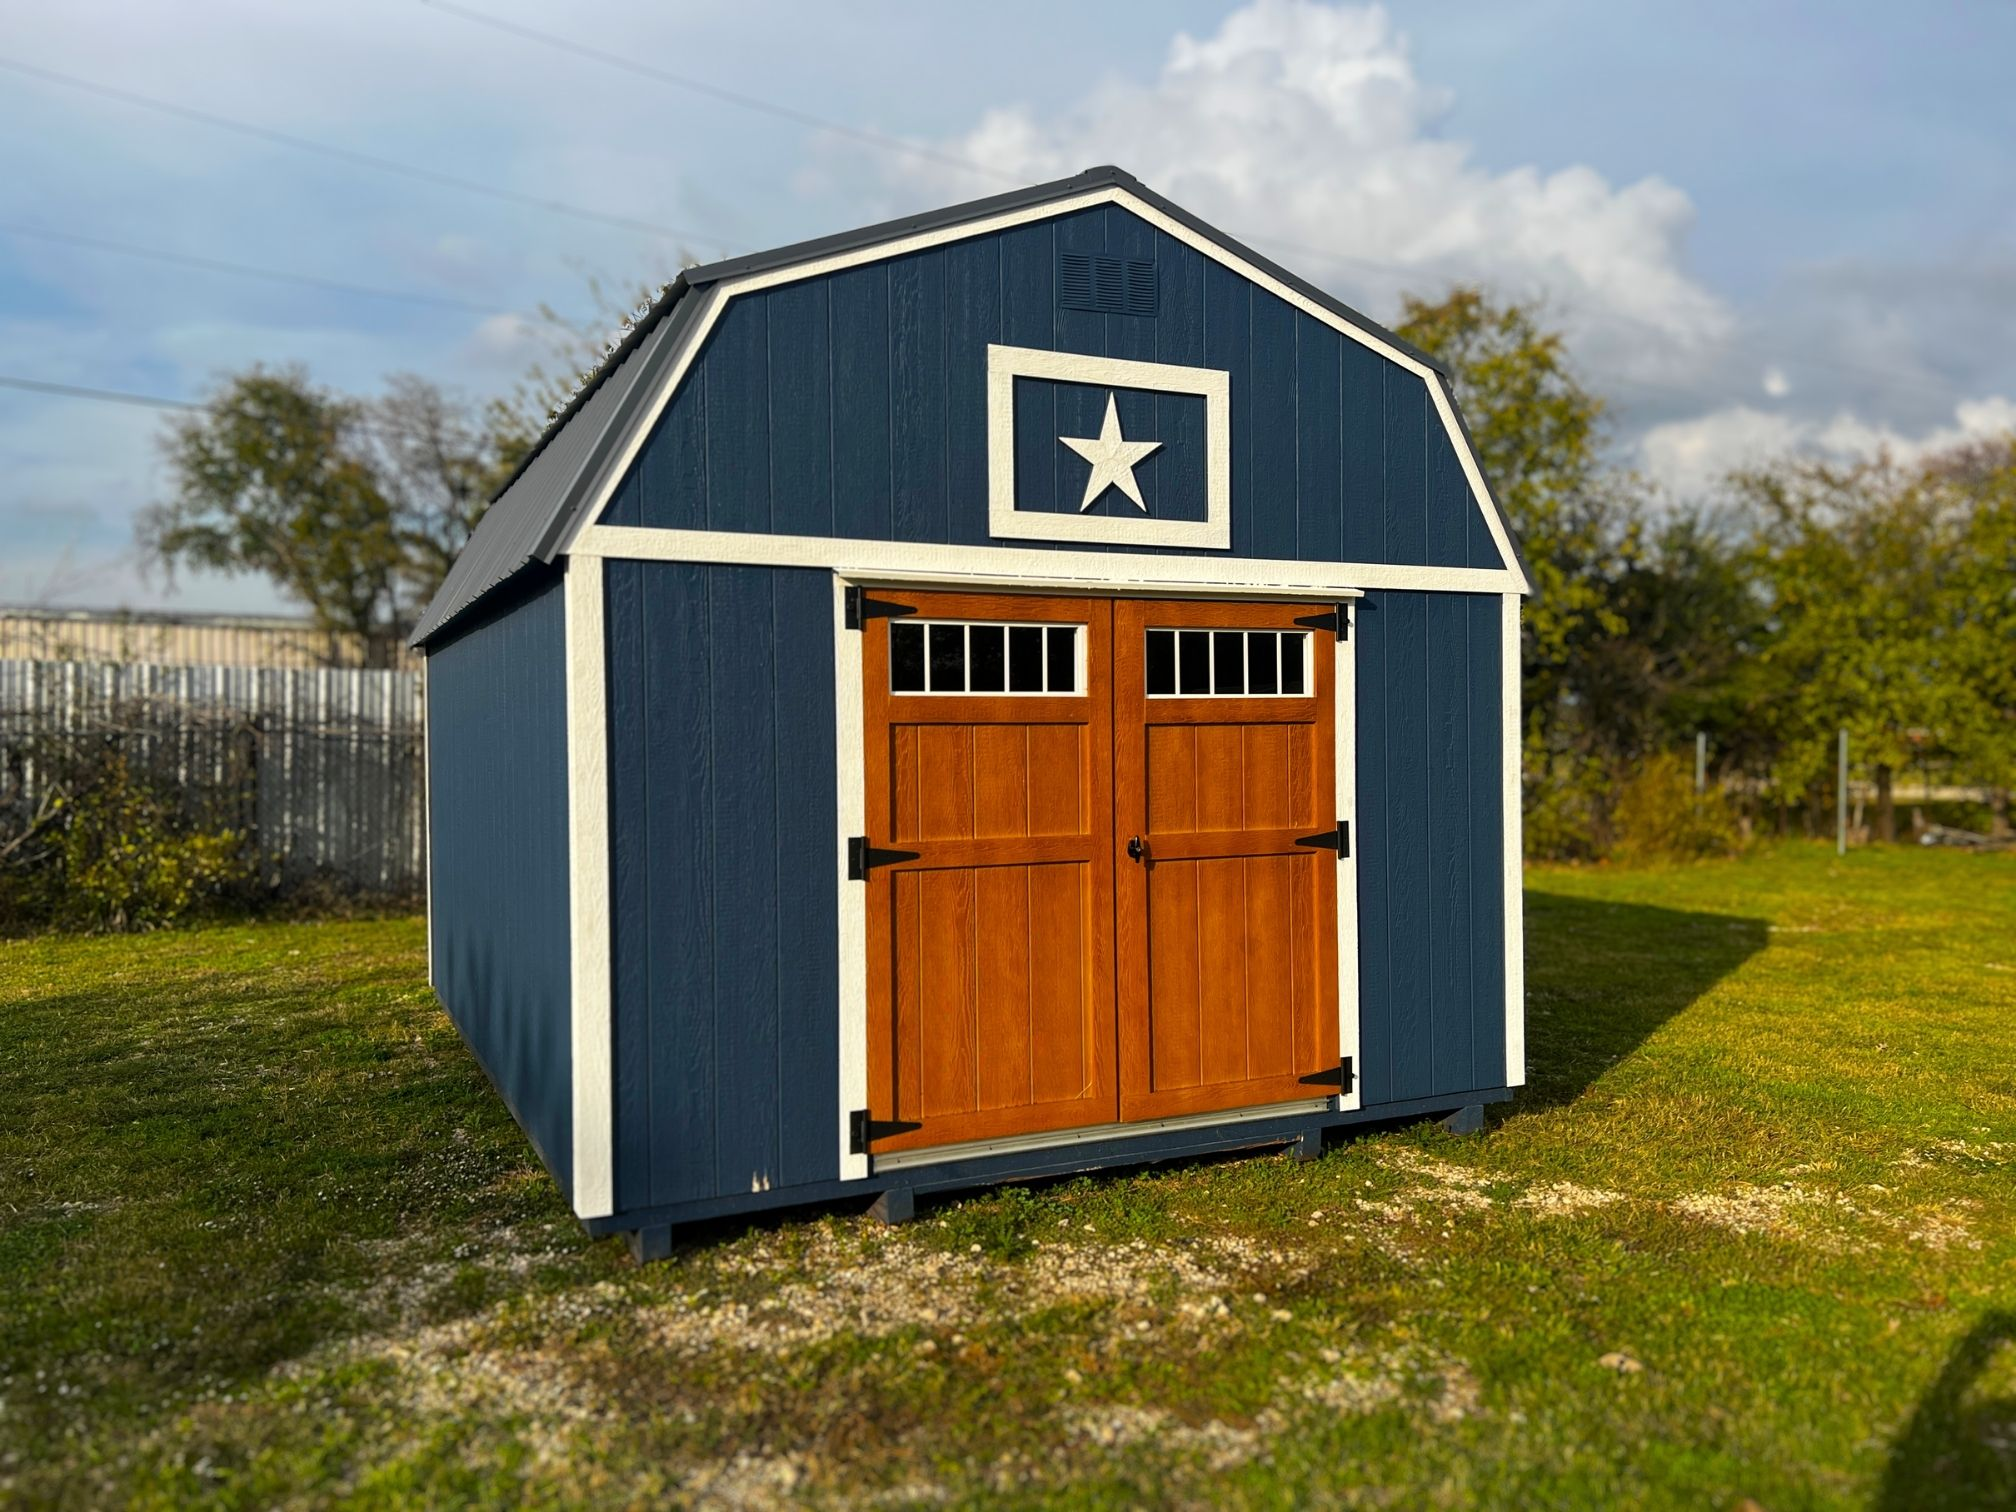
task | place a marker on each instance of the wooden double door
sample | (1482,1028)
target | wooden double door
(1101,861)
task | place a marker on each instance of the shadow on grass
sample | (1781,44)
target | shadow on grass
(1959,1449)
(1602,977)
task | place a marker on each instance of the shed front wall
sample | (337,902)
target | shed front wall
(723,767)
(498,855)
(854,405)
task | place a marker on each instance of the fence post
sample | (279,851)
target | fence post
(1700,761)
(1841,795)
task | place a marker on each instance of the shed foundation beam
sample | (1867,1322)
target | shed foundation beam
(897,1205)
(1309,1146)
(648,1244)
(1465,1120)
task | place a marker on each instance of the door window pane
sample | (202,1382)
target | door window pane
(1292,657)
(1228,663)
(948,658)
(1161,663)
(1263,671)
(906,658)
(1193,677)
(1063,667)
(988,670)
(1025,658)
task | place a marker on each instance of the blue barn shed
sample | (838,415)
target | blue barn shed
(1017,689)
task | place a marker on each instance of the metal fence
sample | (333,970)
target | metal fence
(325,766)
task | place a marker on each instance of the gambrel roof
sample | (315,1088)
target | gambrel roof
(543,503)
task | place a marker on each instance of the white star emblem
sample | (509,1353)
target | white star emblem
(1112,457)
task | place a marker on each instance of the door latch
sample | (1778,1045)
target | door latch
(1135,848)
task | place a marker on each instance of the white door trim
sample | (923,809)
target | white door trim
(848,733)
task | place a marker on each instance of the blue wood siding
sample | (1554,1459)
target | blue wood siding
(724,905)
(853,405)
(1430,845)
(497,807)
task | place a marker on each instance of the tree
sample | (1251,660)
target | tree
(273,476)
(352,508)
(1859,568)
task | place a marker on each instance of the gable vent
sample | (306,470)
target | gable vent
(1108,285)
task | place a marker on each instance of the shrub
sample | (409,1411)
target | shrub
(1659,816)
(120,835)
(127,857)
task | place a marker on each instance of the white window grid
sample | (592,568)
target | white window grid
(1211,659)
(1077,690)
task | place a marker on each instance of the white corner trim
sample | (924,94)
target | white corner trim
(1033,567)
(1515,860)
(1346,757)
(588,891)
(852,791)
(717,296)
(1007,522)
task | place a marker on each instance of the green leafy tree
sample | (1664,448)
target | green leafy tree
(353,508)
(1860,568)
(274,476)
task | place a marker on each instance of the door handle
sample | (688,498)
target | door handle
(1136,849)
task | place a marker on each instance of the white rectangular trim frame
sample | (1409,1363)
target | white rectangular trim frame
(1515,857)
(849,725)
(1346,746)
(591,1032)
(1006,522)
(851,789)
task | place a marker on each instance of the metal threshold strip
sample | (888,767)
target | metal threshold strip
(1052,1139)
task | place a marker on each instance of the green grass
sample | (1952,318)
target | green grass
(267,1238)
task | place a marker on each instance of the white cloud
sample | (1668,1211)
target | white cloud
(1776,384)
(1305,129)
(1689,457)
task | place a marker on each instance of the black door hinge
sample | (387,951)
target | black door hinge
(863,857)
(1337,622)
(863,1130)
(1338,839)
(1339,1076)
(861,608)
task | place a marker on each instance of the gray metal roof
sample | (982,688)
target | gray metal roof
(525,521)
(535,511)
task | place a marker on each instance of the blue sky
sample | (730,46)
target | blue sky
(1764,227)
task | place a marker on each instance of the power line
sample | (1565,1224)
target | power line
(246,270)
(716,92)
(347,154)
(106,396)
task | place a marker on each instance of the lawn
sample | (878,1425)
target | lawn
(266,1238)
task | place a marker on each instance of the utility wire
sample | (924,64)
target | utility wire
(106,396)
(246,270)
(345,154)
(716,92)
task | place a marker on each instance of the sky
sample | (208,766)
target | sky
(1763,228)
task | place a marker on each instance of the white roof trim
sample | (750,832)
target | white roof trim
(718,296)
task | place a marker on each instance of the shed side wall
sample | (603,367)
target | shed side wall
(723,903)
(1430,841)
(497,807)
(854,404)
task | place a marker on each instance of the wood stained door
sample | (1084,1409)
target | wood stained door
(988,755)
(1225,899)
